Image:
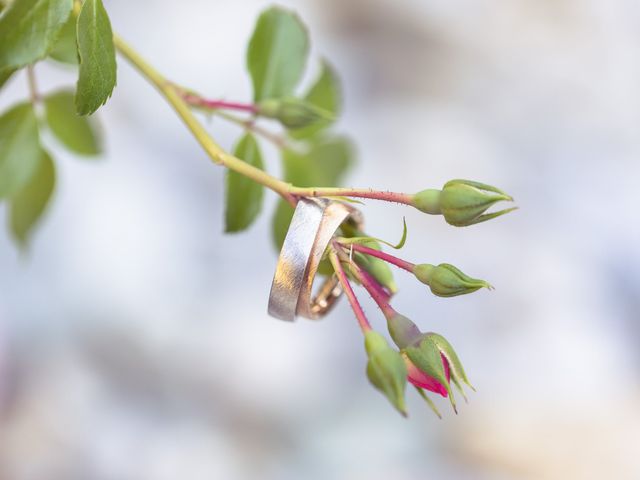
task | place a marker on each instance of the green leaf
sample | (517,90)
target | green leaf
(5,75)
(243,196)
(19,148)
(29,28)
(28,205)
(277,53)
(325,94)
(280,223)
(65,49)
(97,76)
(364,239)
(75,132)
(324,164)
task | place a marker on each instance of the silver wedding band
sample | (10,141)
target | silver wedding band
(314,222)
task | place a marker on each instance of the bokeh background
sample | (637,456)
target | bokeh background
(134,342)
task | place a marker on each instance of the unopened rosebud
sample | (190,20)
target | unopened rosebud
(462,202)
(293,112)
(425,355)
(447,281)
(386,369)
(402,330)
(429,358)
(435,357)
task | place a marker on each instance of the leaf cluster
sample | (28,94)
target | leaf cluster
(31,31)
(277,58)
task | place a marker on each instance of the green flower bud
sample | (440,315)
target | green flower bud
(462,202)
(402,330)
(386,370)
(430,360)
(447,281)
(293,112)
(428,201)
(424,353)
(379,269)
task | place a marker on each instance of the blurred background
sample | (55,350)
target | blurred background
(134,340)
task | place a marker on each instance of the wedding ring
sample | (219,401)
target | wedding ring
(314,222)
(316,307)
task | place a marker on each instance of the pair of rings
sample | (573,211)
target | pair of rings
(314,222)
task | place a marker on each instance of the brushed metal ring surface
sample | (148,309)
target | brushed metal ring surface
(316,307)
(314,222)
(294,256)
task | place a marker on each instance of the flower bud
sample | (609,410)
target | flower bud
(386,369)
(425,354)
(430,360)
(447,281)
(402,330)
(293,112)
(462,202)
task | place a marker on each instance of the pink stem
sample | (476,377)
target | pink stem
(398,262)
(375,290)
(382,292)
(218,104)
(396,197)
(348,291)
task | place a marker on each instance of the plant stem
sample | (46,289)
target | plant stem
(34,96)
(277,140)
(365,326)
(398,262)
(198,101)
(219,156)
(402,198)
(215,152)
(375,290)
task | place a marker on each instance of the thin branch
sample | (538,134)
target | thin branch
(33,86)
(365,326)
(398,262)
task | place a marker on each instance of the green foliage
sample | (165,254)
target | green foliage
(323,164)
(28,205)
(364,239)
(5,75)
(277,53)
(77,133)
(97,75)
(29,29)
(243,196)
(65,49)
(324,94)
(19,148)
